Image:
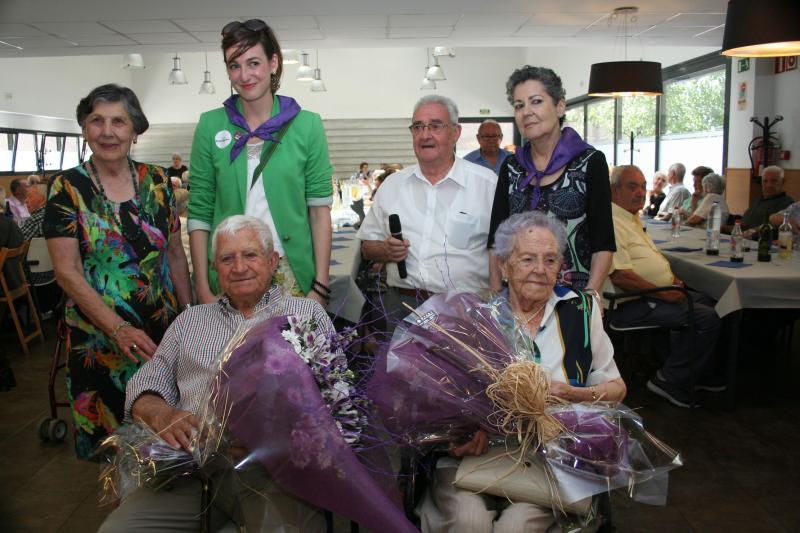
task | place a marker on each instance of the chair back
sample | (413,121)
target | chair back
(39,260)
(12,275)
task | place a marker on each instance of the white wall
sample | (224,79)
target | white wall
(362,83)
(768,95)
(52,86)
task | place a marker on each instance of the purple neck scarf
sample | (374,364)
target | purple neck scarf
(568,146)
(287,109)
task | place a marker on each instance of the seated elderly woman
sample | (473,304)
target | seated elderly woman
(549,329)
(167,391)
(713,189)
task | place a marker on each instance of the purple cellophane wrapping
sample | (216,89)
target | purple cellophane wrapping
(278,413)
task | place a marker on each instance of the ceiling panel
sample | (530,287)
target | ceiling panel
(209,24)
(73,28)
(19,30)
(353,23)
(695,19)
(298,35)
(486,31)
(142,26)
(111,39)
(494,19)
(665,31)
(565,19)
(361,33)
(288,23)
(423,21)
(175,37)
(548,31)
(39,42)
(208,36)
(420,33)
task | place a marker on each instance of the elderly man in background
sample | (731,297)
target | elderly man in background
(36,192)
(16,202)
(489,155)
(677,192)
(772,200)
(441,203)
(167,391)
(691,204)
(639,265)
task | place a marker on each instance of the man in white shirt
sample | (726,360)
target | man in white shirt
(444,207)
(677,192)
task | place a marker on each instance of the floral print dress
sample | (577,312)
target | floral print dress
(124,257)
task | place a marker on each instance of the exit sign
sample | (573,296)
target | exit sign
(485,111)
(743,65)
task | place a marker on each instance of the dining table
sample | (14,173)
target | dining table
(347,299)
(736,286)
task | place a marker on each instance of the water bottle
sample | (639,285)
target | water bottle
(676,223)
(737,241)
(785,237)
(712,229)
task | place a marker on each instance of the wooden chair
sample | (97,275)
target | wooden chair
(14,286)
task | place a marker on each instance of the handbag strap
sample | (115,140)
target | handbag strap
(266,154)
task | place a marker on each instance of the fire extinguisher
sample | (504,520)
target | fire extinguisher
(764,150)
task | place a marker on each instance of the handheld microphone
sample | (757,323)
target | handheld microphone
(397,232)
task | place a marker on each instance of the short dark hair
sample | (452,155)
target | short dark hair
(243,38)
(701,171)
(547,77)
(15,184)
(362,165)
(112,93)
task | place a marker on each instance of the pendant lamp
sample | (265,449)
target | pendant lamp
(435,73)
(133,61)
(207,87)
(305,72)
(177,77)
(762,28)
(317,85)
(626,78)
(427,83)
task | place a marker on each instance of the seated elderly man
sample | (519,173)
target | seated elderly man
(166,392)
(713,188)
(639,265)
(772,200)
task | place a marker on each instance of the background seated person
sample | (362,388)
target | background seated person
(639,265)
(529,247)
(677,193)
(166,392)
(772,200)
(657,195)
(713,189)
(691,204)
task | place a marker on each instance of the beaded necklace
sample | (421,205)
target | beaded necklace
(108,205)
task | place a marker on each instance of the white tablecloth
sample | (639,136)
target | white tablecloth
(346,298)
(758,285)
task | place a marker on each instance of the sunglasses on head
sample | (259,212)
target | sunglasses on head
(252,25)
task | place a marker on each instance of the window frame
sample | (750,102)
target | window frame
(40,137)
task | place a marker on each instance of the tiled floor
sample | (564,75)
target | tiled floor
(740,474)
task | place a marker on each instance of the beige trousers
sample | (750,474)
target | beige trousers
(447,509)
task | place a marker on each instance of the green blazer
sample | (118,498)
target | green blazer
(297,176)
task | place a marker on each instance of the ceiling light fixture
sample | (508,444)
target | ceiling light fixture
(768,28)
(291,56)
(443,51)
(207,87)
(177,77)
(435,72)
(133,61)
(305,73)
(317,85)
(427,84)
(625,78)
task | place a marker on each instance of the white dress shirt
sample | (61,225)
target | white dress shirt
(675,197)
(447,225)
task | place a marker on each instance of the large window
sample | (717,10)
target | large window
(600,127)
(685,124)
(638,114)
(36,151)
(693,114)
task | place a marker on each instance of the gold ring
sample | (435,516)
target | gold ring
(134,347)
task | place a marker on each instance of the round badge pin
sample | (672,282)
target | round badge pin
(222,138)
